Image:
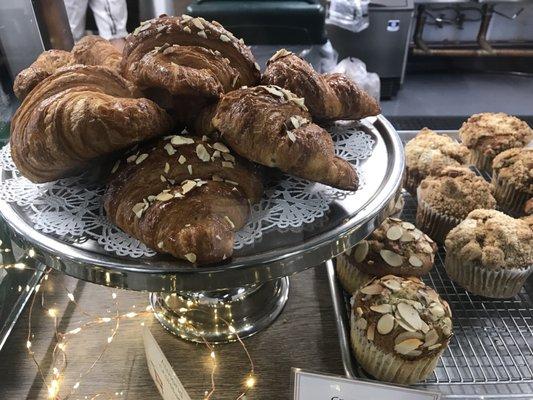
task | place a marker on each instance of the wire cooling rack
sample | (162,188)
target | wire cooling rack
(490,355)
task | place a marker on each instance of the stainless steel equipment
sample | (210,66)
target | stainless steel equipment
(490,355)
(251,289)
(384,45)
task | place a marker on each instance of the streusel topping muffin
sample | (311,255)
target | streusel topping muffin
(488,134)
(429,152)
(490,254)
(399,328)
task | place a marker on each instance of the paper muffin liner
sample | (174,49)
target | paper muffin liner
(412,180)
(481,160)
(350,277)
(390,367)
(398,207)
(434,223)
(500,283)
(510,199)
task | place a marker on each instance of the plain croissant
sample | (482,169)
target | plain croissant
(77,115)
(95,50)
(271,126)
(328,96)
(184,196)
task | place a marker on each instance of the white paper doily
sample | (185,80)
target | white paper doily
(72,209)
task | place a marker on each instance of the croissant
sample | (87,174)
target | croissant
(184,196)
(45,65)
(271,126)
(95,50)
(328,96)
(186,63)
(76,115)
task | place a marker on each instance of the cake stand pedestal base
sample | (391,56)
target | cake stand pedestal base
(216,316)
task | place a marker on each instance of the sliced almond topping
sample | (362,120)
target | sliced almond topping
(394,232)
(295,122)
(187,186)
(361,251)
(407,237)
(361,323)
(162,177)
(202,153)
(447,326)
(202,34)
(405,326)
(437,311)
(229,221)
(385,324)
(164,196)
(415,261)
(299,101)
(280,53)
(409,315)
(371,332)
(391,258)
(191,257)
(227,164)
(217,178)
(160,245)
(170,150)
(232,182)
(407,346)
(189,168)
(272,90)
(408,225)
(180,140)
(196,22)
(291,136)
(221,147)
(228,157)
(167,168)
(392,284)
(225,38)
(131,158)
(115,167)
(435,346)
(382,308)
(431,338)
(408,335)
(182,159)
(372,289)
(138,209)
(359,311)
(186,17)
(187,29)
(424,327)
(414,353)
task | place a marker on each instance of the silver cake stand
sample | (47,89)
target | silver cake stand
(245,294)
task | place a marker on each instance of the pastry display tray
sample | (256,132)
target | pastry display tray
(490,355)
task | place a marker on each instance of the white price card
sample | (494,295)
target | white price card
(314,386)
(165,378)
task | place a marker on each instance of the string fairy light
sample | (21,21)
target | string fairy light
(59,353)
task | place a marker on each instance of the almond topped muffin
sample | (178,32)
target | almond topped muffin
(490,254)
(446,198)
(429,152)
(399,328)
(488,134)
(512,177)
(395,248)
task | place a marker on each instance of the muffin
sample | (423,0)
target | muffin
(429,152)
(395,248)
(488,134)
(490,254)
(512,177)
(446,198)
(528,207)
(399,327)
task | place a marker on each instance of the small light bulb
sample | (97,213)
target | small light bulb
(213,355)
(70,297)
(28,344)
(52,312)
(114,295)
(250,382)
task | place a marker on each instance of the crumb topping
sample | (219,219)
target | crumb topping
(429,151)
(492,239)
(494,132)
(516,167)
(457,191)
(402,315)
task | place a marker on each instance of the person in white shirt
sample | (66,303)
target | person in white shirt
(110,17)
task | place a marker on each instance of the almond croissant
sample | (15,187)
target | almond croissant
(271,126)
(76,115)
(328,96)
(46,64)
(184,196)
(187,62)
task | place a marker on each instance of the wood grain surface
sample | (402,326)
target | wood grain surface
(303,336)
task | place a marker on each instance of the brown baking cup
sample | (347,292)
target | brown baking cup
(510,199)
(482,161)
(350,277)
(387,366)
(433,223)
(412,180)
(498,283)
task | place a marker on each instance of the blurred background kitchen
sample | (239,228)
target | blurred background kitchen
(437,60)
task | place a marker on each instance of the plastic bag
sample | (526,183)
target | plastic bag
(348,14)
(323,58)
(355,69)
